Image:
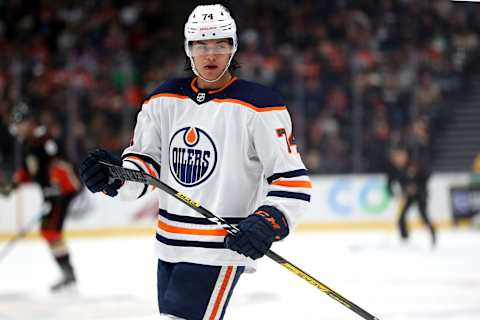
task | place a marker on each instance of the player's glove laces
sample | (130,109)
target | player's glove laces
(96,177)
(257,232)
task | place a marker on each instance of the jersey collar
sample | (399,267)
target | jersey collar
(202,95)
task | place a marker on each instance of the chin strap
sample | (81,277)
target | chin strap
(195,71)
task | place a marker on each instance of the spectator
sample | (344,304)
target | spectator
(91,63)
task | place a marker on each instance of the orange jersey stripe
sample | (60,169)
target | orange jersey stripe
(240,102)
(292,183)
(171,95)
(166,227)
(251,106)
(192,85)
(226,85)
(195,89)
(219,298)
(150,170)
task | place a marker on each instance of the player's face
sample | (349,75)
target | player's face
(399,158)
(23,129)
(211,57)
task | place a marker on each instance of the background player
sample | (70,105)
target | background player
(222,141)
(43,163)
(413,180)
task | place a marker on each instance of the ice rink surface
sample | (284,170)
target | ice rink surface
(372,269)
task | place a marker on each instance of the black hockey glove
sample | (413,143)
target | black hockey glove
(6,189)
(96,177)
(257,232)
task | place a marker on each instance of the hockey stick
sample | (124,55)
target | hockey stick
(122,173)
(22,233)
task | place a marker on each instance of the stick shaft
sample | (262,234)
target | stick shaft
(122,173)
(21,234)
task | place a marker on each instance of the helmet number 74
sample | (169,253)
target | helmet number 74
(289,139)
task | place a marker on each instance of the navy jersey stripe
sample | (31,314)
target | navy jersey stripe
(287,194)
(174,86)
(189,243)
(288,174)
(145,186)
(253,93)
(194,220)
(145,158)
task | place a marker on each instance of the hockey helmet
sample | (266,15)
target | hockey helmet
(207,22)
(21,112)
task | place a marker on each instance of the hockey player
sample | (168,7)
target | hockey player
(412,177)
(222,141)
(44,164)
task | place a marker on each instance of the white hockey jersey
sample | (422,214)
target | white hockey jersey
(230,149)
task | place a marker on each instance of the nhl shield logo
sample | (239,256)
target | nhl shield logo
(193,156)
(200,97)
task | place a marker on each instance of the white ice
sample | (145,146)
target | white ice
(372,269)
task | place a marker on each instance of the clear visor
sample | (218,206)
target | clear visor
(201,48)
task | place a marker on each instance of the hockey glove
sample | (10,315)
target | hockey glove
(6,189)
(257,232)
(96,177)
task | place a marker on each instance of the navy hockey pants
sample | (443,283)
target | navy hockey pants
(195,291)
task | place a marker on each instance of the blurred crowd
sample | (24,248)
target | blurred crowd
(359,76)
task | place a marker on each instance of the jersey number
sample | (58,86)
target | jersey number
(290,140)
(205,16)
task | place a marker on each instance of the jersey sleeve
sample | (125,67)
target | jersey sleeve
(144,152)
(288,184)
(63,178)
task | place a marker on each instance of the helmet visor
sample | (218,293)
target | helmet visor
(204,48)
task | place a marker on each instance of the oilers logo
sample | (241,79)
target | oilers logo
(193,156)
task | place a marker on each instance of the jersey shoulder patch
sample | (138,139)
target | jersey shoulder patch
(255,94)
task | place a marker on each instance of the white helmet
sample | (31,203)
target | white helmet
(208,22)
